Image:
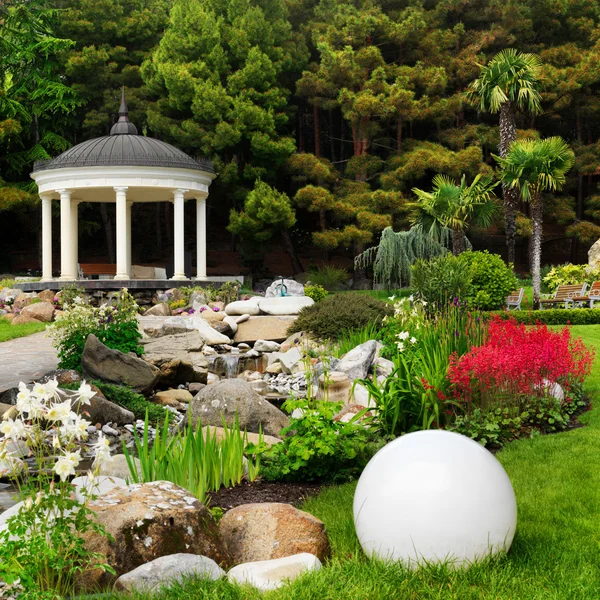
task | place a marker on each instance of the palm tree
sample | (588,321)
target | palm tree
(455,207)
(509,82)
(532,167)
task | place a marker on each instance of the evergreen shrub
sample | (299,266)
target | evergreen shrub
(340,313)
(553,316)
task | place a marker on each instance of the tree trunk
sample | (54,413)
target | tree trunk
(288,244)
(459,242)
(301,130)
(317,131)
(108,233)
(508,133)
(331,140)
(536,246)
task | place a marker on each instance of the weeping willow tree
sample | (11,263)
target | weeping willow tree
(396,253)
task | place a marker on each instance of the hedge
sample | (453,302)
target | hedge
(553,316)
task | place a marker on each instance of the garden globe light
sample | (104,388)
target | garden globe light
(434,496)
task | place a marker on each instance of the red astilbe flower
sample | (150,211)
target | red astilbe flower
(518,360)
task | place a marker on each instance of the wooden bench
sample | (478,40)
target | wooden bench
(514,299)
(89,269)
(565,295)
(591,296)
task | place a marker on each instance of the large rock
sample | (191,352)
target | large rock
(357,362)
(293,288)
(289,360)
(288,305)
(8,294)
(244,307)
(252,438)
(266,346)
(101,410)
(113,366)
(268,530)
(211,336)
(159,310)
(231,397)
(172,397)
(168,570)
(24,320)
(62,376)
(263,328)
(40,311)
(272,574)
(594,255)
(147,521)
(212,316)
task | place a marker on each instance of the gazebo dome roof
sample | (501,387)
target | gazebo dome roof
(123,147)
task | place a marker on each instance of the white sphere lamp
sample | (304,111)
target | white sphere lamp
(434,496)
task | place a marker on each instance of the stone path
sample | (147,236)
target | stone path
(25,359)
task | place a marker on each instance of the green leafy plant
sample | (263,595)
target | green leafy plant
(69,293)
(569,274)
(340,312)
(327,276)
(43,545)
(552,316)
(115,325)
(316,292)
(175,304)
(351,338)
(492,280)
(193,458)
(317,448)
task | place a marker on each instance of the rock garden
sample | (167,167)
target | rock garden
(209,442)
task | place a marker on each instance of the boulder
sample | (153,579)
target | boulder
(268,530)
(289,360)
(594,255)
(383,366)
(210,335)
(158,310)
(46,295)
(274,369)
(335,387)
(99,486)
(293,288)
(288,305)
(24,299)
(167,570)
(23,319)
(176,372)
(197,300)
(40,311)
(263,328)
(266,346)
(232,322)
(8,294)
(194,387)
(231,397)
(101,410)
(253,438)
(147,521)
(360,395)
(62,376)
(172,397)
(212,316)
(113,366)
(244,307)
(272,574)
(118,467)
(357,362)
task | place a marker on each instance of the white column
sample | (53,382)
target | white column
(129,205)
(46,237)
(179,235)
(122,241)
(66,231)
(201,238)
(75,237)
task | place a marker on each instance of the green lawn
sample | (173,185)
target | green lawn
(10,332)
(555,554)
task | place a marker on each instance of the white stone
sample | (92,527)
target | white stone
(434,496)
(167,570)
(242,318)
(383,366)
(357,362)
(287,305)
(272,574)
(293,288)
(244,307)
(232,322)
(360,395)
(266,346)
(210,336)
(289,360)
(84,487)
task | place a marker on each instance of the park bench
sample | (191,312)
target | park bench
(565,295)
(92,269)
(514,299)
(591,296)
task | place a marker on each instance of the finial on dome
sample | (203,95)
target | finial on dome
(123,126)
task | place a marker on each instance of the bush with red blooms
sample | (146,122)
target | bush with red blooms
(518,362)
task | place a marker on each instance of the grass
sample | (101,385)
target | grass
(555,554)
(11,332)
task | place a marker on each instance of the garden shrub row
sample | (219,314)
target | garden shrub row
(553,316)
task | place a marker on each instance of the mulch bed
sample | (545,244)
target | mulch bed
(263,491)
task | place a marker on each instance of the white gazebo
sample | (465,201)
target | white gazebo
(122,167)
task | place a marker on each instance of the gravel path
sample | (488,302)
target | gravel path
(25,359)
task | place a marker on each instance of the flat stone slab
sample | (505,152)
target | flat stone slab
(269,328)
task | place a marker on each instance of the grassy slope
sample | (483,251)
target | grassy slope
(10,332)
(555,554)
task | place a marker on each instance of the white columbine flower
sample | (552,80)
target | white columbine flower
(60,412)
(400,346)
(64,467)
(13,429)
(85,393)
(403,335)
(392,298)
(77,428)
(101,450)
(413,340)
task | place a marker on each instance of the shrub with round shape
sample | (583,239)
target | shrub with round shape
(431,497)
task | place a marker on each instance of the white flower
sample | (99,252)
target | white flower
(400,346)
(403,335)
(85,393)
(411,298)
(413,340)
(64,467)
(392,298)
(60,412)
(13,429)
(424,303)
(52,387)
(77,428)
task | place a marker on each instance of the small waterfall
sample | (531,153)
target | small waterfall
(231,364)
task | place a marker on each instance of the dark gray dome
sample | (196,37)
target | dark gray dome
(124,148)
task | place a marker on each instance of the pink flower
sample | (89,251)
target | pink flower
(202,308)
(216,309)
